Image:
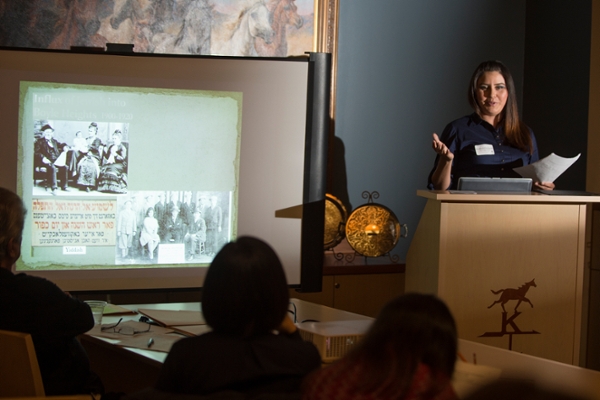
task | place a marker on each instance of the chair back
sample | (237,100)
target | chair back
(19,370)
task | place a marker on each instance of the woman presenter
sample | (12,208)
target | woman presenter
(492,140)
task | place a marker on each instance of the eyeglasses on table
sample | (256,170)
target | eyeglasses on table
(123,329)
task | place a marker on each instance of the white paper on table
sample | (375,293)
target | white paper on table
(547,169)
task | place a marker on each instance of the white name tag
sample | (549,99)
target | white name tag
(484,149)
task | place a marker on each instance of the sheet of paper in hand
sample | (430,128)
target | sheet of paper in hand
(547,169)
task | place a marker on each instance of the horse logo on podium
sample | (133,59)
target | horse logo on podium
(507,295)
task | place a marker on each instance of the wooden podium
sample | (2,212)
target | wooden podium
(483,252)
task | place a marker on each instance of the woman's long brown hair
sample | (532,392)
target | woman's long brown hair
(517,133)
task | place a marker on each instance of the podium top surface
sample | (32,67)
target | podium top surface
(531,197)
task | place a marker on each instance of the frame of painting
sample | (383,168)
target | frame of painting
(325,38)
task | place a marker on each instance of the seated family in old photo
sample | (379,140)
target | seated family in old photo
(88,164)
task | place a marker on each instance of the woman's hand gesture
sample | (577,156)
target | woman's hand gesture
(440,148)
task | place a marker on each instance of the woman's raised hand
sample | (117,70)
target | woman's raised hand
(440,148)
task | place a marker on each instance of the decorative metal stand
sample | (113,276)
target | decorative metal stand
(373,230)
(335,222)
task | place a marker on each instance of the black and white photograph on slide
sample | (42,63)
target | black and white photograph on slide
(171,227)
(79,157)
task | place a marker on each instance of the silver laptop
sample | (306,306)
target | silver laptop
(494,185)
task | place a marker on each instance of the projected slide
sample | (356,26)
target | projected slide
(127,177)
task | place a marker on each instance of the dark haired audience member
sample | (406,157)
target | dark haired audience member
(492,140)
(37,306)
(409,353)
(254,347)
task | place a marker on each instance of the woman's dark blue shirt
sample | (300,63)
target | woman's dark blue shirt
(465,137)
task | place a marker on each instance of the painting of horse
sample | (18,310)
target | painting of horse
(514,294)
(283,15)
(140,22)
(195,34)
(191,37)
(264,28)
(236,37)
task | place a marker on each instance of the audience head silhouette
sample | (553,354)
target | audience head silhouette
(34,305)
(245,291)
(12,219)
(254,349)
(414,328)
(409,352)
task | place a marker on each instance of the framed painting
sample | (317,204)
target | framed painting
(262,28)
(248,28)
(325,40)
